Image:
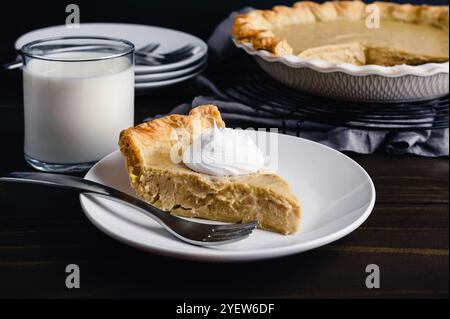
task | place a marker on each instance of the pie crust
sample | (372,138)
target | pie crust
(173,187)
(261,29)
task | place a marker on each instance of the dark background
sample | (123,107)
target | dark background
(195,16)
(41,230)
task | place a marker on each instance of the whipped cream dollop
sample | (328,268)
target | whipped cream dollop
(223,152)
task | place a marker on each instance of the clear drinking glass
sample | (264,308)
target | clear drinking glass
(78,96)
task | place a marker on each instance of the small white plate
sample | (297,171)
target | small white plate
(158,84)
(140,78)
(336,195)
(139,35)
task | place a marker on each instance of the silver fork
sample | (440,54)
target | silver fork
(188,231)
(186,49)
(148,48)
(150,58)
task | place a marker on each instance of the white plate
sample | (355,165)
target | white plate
(158,84)
(171,74)
(336,195)
(139,35)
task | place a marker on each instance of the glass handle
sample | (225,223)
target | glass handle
(13,65)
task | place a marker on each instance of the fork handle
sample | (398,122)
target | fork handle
(89,187)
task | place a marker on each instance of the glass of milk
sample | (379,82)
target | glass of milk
(78,96)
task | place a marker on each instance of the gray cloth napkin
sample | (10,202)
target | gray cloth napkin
(431,143)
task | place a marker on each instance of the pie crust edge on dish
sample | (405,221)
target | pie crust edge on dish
(256,27)
(263,196)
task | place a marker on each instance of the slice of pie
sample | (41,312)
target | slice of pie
(173,187)
(352,32)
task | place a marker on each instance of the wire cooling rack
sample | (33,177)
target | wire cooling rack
(270,97)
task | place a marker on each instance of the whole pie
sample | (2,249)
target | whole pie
(353,32)
(262,196)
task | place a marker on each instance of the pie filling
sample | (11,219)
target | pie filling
(336,32)
(392,43)
(172,186)
(262,196)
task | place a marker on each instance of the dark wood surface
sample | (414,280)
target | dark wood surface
(42,230)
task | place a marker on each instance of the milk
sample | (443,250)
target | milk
(74,111)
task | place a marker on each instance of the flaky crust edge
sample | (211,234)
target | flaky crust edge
(255,26)
(138,143)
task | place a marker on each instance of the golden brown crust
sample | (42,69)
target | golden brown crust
(426,14)
(256,26)
(140,142)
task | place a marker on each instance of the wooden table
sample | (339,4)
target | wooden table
(43,230)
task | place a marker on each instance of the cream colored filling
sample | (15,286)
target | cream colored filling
(175,188)
(415,39)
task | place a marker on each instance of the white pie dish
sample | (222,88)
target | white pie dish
(336,194)
(368,83)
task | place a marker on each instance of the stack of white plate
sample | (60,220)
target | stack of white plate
(147,77)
